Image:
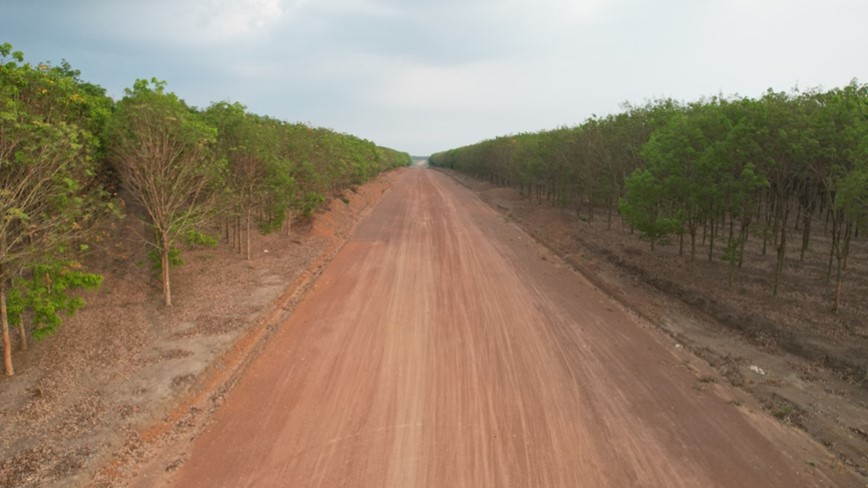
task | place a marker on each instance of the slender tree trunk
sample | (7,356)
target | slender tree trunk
(733,265)
(164,259)
(842,266)
(249,256)
(4,318)
(832,248)
(782,253)
(798,217)
(238,239)
(744,235)
(775,225)
(806,234)
(22,336)
(711,240)
(731,229)
(768,223)
(693,243)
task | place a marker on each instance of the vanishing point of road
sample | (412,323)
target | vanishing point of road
(440,350)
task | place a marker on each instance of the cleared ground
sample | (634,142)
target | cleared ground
(443,347)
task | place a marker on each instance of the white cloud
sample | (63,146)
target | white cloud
(370,8)
(231,18)
(188,23)
(472,86)
(558,11)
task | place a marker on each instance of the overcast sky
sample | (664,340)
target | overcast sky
(428,75)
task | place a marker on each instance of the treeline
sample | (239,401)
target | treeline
(721,170)
(71,158)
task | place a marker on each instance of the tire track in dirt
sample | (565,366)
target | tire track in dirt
(439,349)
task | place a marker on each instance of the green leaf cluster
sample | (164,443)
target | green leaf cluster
(44,294)
(52,189)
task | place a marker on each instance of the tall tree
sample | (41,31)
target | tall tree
(49,196)
(844,136)
(258,177)
(162,152)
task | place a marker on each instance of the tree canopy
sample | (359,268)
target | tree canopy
(70,156)
(677,169)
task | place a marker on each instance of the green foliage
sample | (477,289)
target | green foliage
(310,202)
(45,294)
(275,167)
(191,238)
(195,237)
(156,259)
(643,208)
(676,168)
(51,194)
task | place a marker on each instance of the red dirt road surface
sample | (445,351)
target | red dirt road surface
(444,348)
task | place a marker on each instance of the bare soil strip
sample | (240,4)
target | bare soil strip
(444,347)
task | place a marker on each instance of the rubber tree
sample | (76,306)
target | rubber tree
(162,152)
(843,132)
(257,180)
(646,206)
(49,195)
(851,200)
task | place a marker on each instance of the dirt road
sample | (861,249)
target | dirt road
(445,348)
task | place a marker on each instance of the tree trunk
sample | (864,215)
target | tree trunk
(238,240)
(692,229)
(22,336)
(832,247)
(782,254)
(806,235)
(249,257)
(731,228)
(775,223)
(732,268)
(744,235)
(711,240)
(771,219)
(164,259)
(4,318)
(842,266)
(798,217)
